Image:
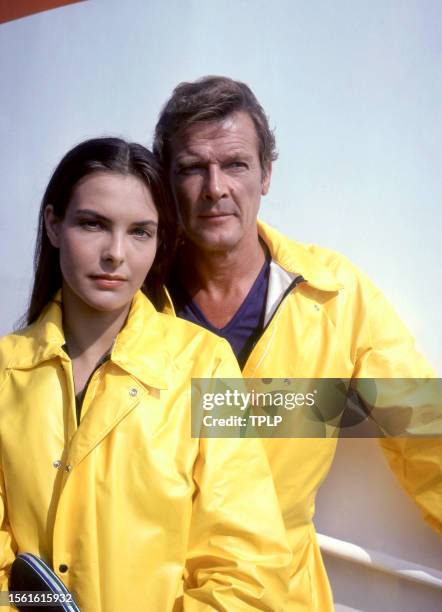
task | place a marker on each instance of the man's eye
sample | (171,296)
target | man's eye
(189,170)
(237,165)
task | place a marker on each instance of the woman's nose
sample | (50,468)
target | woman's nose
(113,251)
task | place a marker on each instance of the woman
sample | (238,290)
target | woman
(100,477)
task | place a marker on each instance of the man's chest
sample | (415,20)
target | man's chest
(302,340)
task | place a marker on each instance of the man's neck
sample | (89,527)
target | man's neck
(219,271)
(219,281)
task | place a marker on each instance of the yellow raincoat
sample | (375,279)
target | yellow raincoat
(335,325)
(132,512)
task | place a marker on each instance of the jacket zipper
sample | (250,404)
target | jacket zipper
(297,281)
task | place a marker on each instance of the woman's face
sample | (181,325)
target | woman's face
(107,239)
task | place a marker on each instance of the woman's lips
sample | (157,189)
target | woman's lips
(108,282)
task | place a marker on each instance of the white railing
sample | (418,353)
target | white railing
(380,561)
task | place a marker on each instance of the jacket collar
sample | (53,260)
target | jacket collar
(292,257)
(138,348)
(296,259)
(168,308)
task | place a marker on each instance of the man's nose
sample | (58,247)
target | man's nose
(113,251)
(215,186)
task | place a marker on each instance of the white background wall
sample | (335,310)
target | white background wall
(354,91)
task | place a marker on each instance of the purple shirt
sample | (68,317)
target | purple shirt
(246,324)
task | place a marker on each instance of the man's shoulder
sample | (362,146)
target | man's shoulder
(342,268)
(317,264)
(352,278)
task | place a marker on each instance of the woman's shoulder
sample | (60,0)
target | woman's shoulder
(9,344)
(19,348)
(13,345)
(188,343)
(179,331)
(183,336)
(153,325)
(12,348)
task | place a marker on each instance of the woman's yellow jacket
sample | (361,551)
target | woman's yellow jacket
(132,512)
(336,324)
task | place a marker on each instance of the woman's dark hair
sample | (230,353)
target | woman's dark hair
(102,155)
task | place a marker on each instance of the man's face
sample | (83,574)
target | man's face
(217,181)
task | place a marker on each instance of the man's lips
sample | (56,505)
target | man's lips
(215,215)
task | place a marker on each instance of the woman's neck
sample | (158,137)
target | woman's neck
(89,333)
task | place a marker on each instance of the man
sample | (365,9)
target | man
(287,310)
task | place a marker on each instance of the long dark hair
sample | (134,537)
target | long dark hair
(102,155)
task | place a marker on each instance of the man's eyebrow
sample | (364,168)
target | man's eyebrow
(188,158)
(233,155)
(96,215)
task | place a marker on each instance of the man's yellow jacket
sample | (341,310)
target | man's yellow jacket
(132,512)
(335,324)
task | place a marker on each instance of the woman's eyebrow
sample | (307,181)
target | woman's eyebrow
(149,222)
(90,213)
(96,215)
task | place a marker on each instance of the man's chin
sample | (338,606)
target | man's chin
(215,242)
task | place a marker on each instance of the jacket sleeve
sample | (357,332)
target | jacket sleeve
(7,545)
(389,353)
(238,556)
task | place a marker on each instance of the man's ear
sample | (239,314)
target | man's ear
(52,225)
(266,176)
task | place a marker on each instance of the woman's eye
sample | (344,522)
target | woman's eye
(141,232)
(91,225)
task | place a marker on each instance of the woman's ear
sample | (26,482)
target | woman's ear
(52,224)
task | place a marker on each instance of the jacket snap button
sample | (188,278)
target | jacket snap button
(63,568)
(68,468)
(133,392)
(56,464)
